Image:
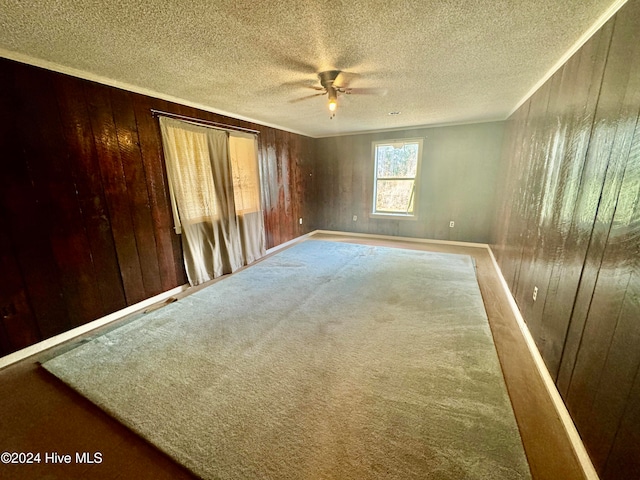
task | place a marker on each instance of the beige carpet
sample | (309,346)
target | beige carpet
(325,361)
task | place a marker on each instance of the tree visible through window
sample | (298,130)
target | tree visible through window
(396,169)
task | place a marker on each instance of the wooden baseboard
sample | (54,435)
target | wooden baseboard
(572,433)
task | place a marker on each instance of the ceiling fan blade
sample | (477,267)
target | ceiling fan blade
(296,100)
(344,78)
(301,84)
(293,64)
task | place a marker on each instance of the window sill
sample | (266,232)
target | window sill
(393,216)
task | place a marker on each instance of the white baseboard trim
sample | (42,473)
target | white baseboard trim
(290,242)
(402,239)
(87,327)
(574,437)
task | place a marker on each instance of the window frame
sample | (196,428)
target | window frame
(416,180)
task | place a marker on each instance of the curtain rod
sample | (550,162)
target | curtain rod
(209,123)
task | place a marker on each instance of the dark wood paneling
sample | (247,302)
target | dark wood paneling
(18,327)
(84,196)
(115,189)
(136,188)
(284,191)
(566,234)
(287,171)
(509,227)
(307,188)
(569,223)
(327,179)
(167,245)
(527,203)
(272,186)
(32,206)
(103,286)
(608,357)
(458,172)
(624,459)
(555,194)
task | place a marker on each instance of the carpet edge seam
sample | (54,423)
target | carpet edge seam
(56,340)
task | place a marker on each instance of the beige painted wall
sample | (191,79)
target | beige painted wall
(457,182)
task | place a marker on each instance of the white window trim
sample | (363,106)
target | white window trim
(416,192)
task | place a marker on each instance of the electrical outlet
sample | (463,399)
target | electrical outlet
(300,221)
(452,224)
(355,218)
(535,293)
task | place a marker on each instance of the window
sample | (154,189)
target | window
(396,168)
(211,171)
(244,168)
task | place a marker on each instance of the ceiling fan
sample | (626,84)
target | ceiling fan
(334,82)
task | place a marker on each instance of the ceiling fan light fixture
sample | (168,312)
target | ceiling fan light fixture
(333,99)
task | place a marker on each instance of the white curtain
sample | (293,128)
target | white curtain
(243,152)
(215,195)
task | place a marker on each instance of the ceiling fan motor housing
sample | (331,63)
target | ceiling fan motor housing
(327,78)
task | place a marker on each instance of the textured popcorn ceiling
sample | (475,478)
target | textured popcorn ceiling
(439,61)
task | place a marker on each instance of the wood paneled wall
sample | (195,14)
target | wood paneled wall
(457,182)
(86,224)
(568,223)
